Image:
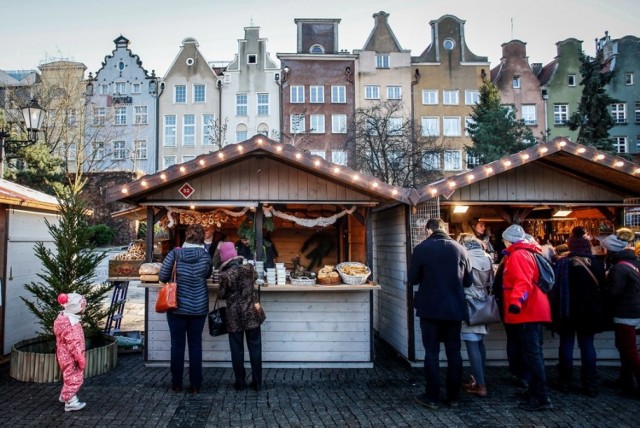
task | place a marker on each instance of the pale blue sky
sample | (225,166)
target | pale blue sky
(33,31)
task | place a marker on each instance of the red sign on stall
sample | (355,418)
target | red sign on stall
(186,190)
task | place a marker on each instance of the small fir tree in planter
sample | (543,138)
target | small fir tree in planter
(69,268)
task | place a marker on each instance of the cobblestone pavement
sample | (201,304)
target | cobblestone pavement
(135,395)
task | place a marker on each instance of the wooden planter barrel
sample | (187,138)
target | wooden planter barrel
(32,361)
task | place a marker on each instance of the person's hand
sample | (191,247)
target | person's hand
(514,309)
(259,282)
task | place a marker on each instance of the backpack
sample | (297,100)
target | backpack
(546,275)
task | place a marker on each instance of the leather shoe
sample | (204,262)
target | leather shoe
(239,386)
(424,401)
(476,389)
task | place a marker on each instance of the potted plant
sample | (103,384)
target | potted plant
(67,267)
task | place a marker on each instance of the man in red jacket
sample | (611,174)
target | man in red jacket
(527,308)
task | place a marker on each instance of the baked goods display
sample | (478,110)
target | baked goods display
(353,273)
(328,276)
(136,251)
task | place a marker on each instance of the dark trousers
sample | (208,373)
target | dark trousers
(515,356)
(434,332)
(588,355)
(531,336)
(629,356)
(254,345)
(186,329)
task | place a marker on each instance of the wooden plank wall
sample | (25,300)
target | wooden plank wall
(390,269)
(301,327)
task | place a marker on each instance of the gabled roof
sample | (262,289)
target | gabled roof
(571,159)
(21,196)
(382,39)
(259,147)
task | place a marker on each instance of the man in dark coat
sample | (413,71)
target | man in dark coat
(442,269)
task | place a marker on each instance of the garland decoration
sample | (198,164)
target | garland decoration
(307,222)
(211,218)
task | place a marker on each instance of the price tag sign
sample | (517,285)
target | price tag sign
(186,190)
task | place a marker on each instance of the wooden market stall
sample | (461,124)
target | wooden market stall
(317,210)
(588,187)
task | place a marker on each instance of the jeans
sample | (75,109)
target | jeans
(254,345)
(434,332)
(629,356)
(189,327)
(515,357)
(588,355)
(531,335)
(477,358)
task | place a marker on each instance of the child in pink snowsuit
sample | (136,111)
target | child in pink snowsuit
(70,349)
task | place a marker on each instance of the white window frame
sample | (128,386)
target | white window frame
(103,89)
(629,79)
(136,88)
(316,122)
(120,88)
(194,95)
(338,94)
(169,130)
(637,111)
(252,59)
(467,120)
(371,92)
(338,123)
(179,92)
(316,94)
(141,115)
(296,94)
(429,97)
(383,60)
(620,144)
(120,115)
(263,129)
(187,158)
(450,97)
(471,97)
(619,112)
(320,153)
(560,114)
(208,128)
(516,83)
(431,161)
(119,151)
(394,126)
(571,80)
(452,160)
(297,123)
(430,126)
(528,112)
(472,161)
(242,104)
(140,149)
(99,115)
(451,126)
(98,150)
(394,92)
(262,101)
(189,130)
(169,160)
(339,157)
(242,132)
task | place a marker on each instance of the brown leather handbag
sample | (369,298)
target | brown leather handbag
(168,295)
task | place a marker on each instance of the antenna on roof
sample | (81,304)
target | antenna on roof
(511,28)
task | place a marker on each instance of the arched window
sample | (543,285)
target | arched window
(241,132)
(263,129)
(316,49)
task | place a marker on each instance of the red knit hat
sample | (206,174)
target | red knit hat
(227,251)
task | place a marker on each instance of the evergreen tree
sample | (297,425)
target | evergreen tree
(40,170)
(494,129)
(593,119)
(68,268)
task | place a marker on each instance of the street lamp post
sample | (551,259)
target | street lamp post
(33,116)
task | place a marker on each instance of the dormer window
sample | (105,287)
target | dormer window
(516,82)
(316,49)
(449,44)
(252,59)
(382,61)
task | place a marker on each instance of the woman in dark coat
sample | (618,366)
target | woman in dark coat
(193,267)
(244,314)
(623,280)
(577,310)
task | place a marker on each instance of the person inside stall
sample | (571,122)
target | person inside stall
(269,251)
(547,249)
(243,249)
(212,238)
(483,234)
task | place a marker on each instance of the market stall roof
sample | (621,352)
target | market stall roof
(18,195)
(558,172)
(258,170)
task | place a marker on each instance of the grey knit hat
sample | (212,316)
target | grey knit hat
(613,243)
(514,233)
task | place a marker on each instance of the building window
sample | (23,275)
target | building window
(450,97)
(187,158)
(120,88)
(189,130)
(394,92)
(141,116)
(169,131)
(451,126)
(637,111)
(168,161)
(339,94)
(119,150)
(316,94)
(208,129)
(320,153)
(619,112)
(637,143)
(140,149)
(339,157)
(394,126)
(529,114)
(103,89)
(297,94)
(263,104)
(452,160)
(241,132)
(571,80)
(72,152)
(560,114)
(252,59)
(338,123)
(372,92)
(371,126)
(471,97)
(431,161)
(100,115)
(468,120)
(449,44)
(429,97)
(472,161)
(136,88)
(316,49)
(180,94)
(516,82)
(430,126)
(263,129)
(98,150)
(199,93)
(620,144)
(382,61)
(317,123)
(120,116)
(72,117)
(628,79)
(241,104)
(297,123)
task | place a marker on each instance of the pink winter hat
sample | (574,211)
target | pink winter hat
(227,251)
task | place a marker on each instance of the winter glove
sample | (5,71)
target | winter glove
(514,309)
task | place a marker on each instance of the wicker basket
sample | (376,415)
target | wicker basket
(329,281)
(353,279)
(303,281)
